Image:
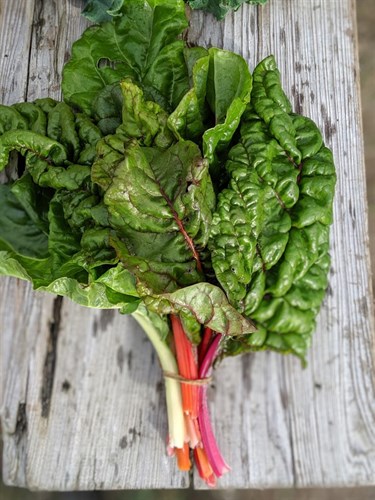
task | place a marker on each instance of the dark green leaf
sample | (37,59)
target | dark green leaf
(221,7)
(11,119)
(101,10)
(18,230)
(107,108)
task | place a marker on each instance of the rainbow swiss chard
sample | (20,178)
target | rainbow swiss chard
(175,190)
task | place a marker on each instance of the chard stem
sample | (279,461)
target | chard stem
(168,363)
(187,365)
(218,464)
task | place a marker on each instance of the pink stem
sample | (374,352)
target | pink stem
(218,464)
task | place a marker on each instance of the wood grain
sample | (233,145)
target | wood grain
(82,403)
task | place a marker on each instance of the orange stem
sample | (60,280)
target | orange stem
(183,458)
(204,467)
(187,366)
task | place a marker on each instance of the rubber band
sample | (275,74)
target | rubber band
(188,381)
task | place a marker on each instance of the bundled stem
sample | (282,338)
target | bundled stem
(200,436)
(188,417)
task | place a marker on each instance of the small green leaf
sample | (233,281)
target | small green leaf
(204,304)
(211,111)
(101,10)
(143,120)
(220,8)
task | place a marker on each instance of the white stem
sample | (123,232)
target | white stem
(176,422)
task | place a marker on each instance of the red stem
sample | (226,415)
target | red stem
(203,346)
(187,366)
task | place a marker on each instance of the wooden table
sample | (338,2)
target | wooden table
(82,398)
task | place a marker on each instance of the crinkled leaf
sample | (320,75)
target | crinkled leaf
(153,275)
(273,107)
(251,225)
(36,145)
(95,294)
(11,119)
(47,133)
(143,120)
(36,118)
(269,239)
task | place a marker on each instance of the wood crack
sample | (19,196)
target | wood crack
(50,358)
(21,423)
(284,398)
(26,92)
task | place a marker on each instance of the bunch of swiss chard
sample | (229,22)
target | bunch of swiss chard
(173,185)
(102,10)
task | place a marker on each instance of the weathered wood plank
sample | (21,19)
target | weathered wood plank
(13,352)
(314,426)
(101,423)
(15,35)
(80,407)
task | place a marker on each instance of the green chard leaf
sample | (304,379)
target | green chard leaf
(270,236)
(21,230)
(58,260)
(107,107)
(160,204)
(211,111)
(143,120)
(159,195)
(48,213)
(140,44)
(48,134)
(95,294)
(11,119)
(31,144)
